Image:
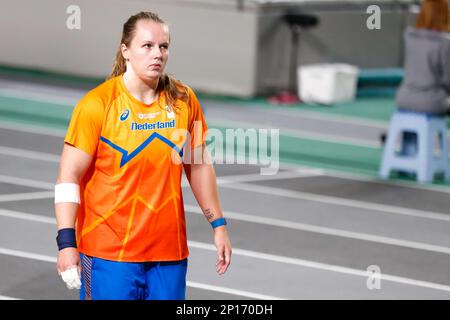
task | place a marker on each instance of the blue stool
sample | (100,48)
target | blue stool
(418,132)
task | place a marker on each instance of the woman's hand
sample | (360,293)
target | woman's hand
(223,246)
(69,258)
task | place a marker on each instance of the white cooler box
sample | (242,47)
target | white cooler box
(327,83)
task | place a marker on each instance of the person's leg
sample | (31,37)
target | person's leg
(111,280)
(166,280)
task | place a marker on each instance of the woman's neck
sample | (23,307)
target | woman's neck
(140,90)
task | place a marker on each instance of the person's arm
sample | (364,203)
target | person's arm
(73,165)
(445,61)
(202,179)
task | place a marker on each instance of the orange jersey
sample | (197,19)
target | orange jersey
(131,206)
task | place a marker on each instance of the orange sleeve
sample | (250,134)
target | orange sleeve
(197,123)
(86,124)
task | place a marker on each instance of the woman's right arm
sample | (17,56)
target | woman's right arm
(73,165)
(445,60)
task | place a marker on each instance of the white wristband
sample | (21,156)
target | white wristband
(67,192)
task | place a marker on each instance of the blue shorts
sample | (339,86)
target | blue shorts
(112,280)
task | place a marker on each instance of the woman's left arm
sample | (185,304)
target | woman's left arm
(202,179)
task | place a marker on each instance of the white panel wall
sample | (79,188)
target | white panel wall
(213,46)
(217,47)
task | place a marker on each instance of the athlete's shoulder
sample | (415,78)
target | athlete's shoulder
(105,92)
(94,103)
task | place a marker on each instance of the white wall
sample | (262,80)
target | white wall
(213,46)
(217,46)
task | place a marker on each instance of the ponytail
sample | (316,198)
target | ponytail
(174,89)
(119,66)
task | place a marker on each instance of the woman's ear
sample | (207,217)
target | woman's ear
(125,52)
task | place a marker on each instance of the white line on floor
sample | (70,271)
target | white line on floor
(360,121)
(327,231)
(27,255)
(33,129)
(34,155)
(8,298)
(322,266)
(337,201)
(300,173)
(26,196)
(399,183)
(27,216)
(27,182)
(231,291)
(297,133)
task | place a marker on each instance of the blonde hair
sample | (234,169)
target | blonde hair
(173,88)
(434,15)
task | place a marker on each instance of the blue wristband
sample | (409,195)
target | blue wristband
(219,222)
(66,238)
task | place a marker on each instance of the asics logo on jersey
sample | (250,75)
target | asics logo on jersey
(124,115)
